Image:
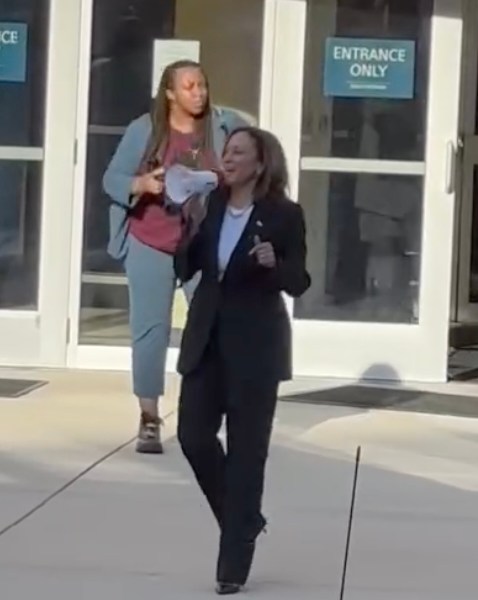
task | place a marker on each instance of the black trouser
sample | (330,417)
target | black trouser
(233,483)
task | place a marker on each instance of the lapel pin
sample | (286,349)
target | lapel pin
(259,223)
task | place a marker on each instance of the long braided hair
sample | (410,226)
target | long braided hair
(161,109)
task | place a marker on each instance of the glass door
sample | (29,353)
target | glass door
(373,163)
(37,48)
(116,82)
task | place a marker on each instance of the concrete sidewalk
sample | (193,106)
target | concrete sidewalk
(137,527)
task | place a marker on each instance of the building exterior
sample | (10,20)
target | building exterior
(375,103)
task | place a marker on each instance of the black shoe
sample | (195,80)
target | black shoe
(227,589)
(235,561)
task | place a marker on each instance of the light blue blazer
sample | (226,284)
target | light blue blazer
(125,164)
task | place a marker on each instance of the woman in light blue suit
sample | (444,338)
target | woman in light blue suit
(183,127)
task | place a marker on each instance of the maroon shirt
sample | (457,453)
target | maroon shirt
(149,223)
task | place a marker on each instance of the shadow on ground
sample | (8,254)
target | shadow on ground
(370,393)
(139,525)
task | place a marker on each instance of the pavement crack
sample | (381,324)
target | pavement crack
(70,483)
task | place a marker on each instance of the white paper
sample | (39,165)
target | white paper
(166,52)
(182,183)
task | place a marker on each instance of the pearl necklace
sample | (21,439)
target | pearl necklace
(237,213)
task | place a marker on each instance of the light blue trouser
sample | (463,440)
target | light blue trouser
(152,284)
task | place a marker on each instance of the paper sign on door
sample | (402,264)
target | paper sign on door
(166,52)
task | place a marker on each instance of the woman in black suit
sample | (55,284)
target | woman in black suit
(236,347)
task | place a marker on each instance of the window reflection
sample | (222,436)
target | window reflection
(20,199)
(364,238)
(365,128)
(22,105)
(120,90)
(473,297)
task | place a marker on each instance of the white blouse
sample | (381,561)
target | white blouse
(233,225)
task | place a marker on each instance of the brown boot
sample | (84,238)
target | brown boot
(149,436)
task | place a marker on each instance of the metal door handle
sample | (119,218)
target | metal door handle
(450,168)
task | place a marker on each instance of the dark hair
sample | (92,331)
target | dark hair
(161,108)
(273,182)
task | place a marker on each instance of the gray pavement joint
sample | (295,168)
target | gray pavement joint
(71,482)
(64,487)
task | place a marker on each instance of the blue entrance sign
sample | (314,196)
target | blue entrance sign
(13,52)
(369,68)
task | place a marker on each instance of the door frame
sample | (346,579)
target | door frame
(415,352)
(115,357)
(463,310)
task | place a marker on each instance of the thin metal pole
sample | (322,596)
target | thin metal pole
(351,519)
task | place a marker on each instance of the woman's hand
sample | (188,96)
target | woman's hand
(264,253)
(149,183)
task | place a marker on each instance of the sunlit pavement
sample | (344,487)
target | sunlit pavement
(136,527)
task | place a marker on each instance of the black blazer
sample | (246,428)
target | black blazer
(245,310)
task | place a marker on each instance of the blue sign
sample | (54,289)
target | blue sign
(369,68)
(13,52)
